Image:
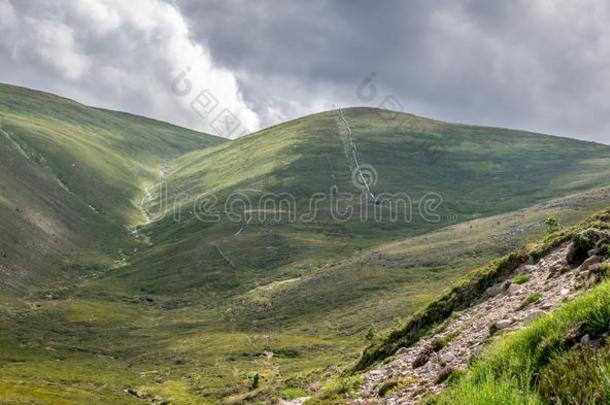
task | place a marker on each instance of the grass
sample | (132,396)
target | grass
(529,300)
(521,279)
(541,362)
(165,314)
(471,287)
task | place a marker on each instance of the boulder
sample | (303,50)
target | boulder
(532,316)
(447,357)
(590,262)
(526,269)
(503,323)
(494,290)
(516,289)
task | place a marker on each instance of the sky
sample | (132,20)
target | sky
(230,67)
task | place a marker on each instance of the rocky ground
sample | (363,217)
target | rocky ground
(421,369)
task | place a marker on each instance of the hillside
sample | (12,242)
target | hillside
(72,178)
(159,293)
(470,172)
(515,331)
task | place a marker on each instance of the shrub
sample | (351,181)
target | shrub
(552,224)
(256,381)
(578,377)
(449,374)
(370,333)
(521,278)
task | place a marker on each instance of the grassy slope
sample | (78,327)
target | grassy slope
(71,179)
(178,322)
(295,282)
(477,171)
(541,363)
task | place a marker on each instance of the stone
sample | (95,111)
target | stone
(589,262)
(494,290)
(564,291)
(447,357)
(516,289)
(503,323)
(532,316)
(585,339)
(526,268)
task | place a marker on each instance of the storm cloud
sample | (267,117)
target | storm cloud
(538,65)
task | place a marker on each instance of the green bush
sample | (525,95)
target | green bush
(256,380)
(552,224)
(521,278)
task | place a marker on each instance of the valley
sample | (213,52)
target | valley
(126,278)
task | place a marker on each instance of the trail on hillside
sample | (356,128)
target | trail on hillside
(421,366)
(351,153)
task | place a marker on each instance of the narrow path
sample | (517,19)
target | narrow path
(466,334)
(350,149)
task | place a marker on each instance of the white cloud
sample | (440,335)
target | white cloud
(118,54)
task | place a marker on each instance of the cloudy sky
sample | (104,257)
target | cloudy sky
(542,65)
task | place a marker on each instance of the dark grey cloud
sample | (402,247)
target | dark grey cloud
(533,64)
(537,65)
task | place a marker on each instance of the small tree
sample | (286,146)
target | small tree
(552,224)
(370,334)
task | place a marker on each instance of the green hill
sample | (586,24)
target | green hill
(72,178)
(158,290)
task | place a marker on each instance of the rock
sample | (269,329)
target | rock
(401,351)
(589,262)
(447,357)
(494,290)
(503,323)
(585,339)
(535,314)
(516,289)
(564,291)
(268,354)
(526,269)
